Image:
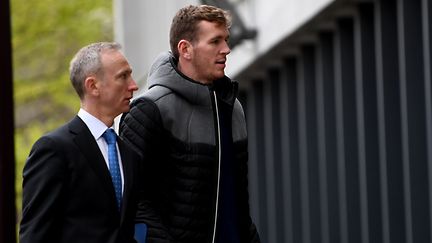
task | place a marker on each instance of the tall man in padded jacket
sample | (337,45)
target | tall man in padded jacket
(191,130)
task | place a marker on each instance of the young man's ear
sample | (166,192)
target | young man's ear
(185,48)
(91,86)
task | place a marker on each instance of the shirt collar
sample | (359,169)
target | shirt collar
(96,126)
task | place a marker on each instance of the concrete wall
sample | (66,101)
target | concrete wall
(142,27)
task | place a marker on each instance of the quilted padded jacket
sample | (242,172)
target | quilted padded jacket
(174,126)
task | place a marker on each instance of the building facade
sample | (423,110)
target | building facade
(339,110)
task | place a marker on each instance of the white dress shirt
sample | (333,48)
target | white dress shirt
(97,128)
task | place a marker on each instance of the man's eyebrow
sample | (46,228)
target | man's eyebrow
(124,71)
(220,37)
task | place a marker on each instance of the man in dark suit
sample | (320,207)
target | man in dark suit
(77,185)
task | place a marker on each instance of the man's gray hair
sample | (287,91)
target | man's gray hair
(86,62)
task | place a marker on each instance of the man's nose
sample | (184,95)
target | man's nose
(133,85)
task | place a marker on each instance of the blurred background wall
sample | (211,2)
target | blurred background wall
(339,110)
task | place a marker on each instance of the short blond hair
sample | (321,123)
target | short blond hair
(185,23)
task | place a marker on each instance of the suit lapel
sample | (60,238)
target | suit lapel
(127,174)
(88,146)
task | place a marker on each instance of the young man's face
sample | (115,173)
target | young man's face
(117,83)
(209,52)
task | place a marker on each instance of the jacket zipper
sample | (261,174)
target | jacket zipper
(219,164)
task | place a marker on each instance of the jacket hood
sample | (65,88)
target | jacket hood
(164,72)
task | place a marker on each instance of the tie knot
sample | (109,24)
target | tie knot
(110,136)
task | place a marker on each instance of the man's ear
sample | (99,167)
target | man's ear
(91,86)
(185,49)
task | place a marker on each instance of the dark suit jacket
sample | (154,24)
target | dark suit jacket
(68,195)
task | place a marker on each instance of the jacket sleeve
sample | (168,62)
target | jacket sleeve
(142,130)
(43,182)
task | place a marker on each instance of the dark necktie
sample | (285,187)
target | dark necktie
(110,137)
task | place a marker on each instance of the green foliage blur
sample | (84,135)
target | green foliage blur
(45,36)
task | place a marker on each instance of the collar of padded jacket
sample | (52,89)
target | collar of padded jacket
(164,72)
